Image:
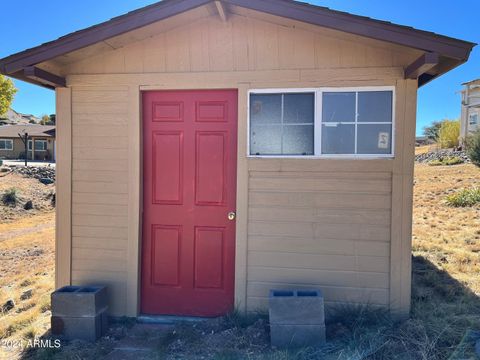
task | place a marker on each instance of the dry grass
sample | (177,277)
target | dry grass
(27,265)
(426,148)
(447,237)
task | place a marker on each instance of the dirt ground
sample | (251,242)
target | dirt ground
(27,189)
(444,323)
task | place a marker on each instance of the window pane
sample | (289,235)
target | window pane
(298,108)
(298,139)
(265,109)
(473,119)
(374,139)
(266,140)
(375,106)
(2,144)
(338,107)
(40,145)
(338,139)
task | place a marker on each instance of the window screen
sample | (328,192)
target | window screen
(282,124)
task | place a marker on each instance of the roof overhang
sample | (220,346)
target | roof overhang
(442,53)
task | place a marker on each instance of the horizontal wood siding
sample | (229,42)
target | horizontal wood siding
(329,230)
(99,190)
(242,44)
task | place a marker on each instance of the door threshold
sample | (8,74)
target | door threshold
(169,319)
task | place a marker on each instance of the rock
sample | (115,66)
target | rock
(28,205)
(440,154)
(8,305)
(27,294)
(46,181)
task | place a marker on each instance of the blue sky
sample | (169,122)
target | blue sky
(47,20)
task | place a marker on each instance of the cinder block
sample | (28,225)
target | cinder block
(296,307)
(291,336)
(77,301)
(88,328)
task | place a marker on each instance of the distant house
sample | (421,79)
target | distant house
(15,118)
(470,116)
(41,145)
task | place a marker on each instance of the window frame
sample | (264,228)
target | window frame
(470,116)
(31,144)
(11,144)
(317,129)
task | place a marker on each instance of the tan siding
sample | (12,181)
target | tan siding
(308,228)
(243,44)
(99,185)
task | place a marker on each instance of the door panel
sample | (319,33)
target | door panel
(189,161)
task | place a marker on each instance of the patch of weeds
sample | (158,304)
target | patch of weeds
(241,320)
(228,354)
(464,198)
(47,353)
(446,161)
(188,333)
(10,197)
(26,282)
(165,341)
(44,304)
(126,321)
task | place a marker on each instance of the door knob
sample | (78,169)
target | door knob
(231,215)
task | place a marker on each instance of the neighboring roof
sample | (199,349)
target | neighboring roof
(452,52)
(12,117)
(471,82)
(12,131)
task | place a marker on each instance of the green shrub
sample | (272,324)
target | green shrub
(473,148)
(10,197)
(464,198)
(451,160)
(449,133)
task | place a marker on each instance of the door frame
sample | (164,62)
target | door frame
(135,191)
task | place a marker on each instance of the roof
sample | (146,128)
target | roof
(12,131)
(13,117)
(452,52)
(471,82)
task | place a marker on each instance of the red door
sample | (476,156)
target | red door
(189,189)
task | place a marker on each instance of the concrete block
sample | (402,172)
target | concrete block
(291,336)
(77,301)
(88,328)
(296,307)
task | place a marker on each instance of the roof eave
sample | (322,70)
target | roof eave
(450,49)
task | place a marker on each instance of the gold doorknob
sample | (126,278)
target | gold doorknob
(231,215)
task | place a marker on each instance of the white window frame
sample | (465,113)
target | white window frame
(318,96)
(30,144)
(11,144)
(470,119)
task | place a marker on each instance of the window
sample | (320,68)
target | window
(322,122)
(40,145)
(282,124)
(6,144)
(473,119)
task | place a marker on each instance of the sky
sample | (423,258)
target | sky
(48,20)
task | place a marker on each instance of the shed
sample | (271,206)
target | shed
(208,151)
